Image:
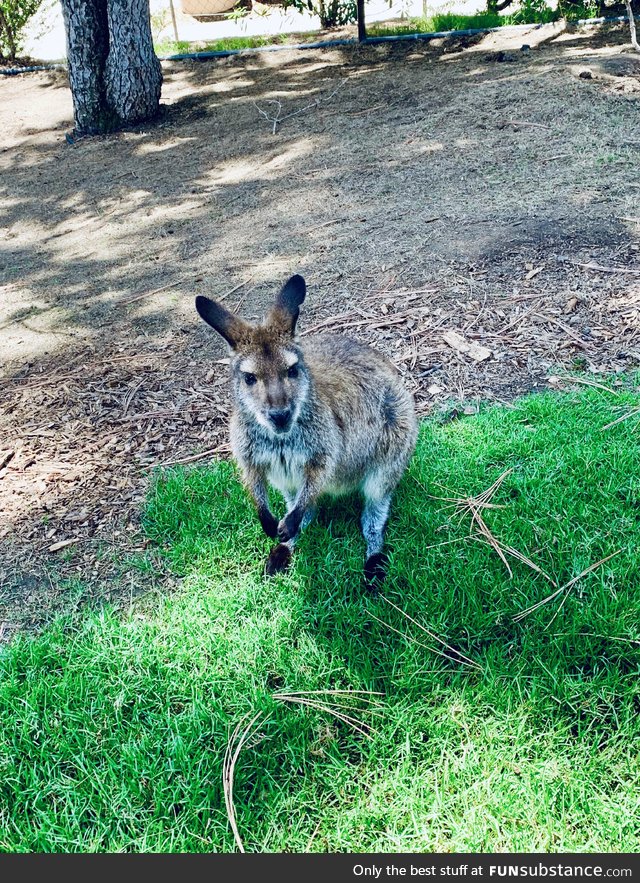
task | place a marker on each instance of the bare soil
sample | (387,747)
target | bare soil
(464,186)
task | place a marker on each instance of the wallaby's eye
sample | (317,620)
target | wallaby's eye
(250,379)
(293,372)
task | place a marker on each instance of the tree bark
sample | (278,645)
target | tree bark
(114,74)
(87,35)
(133,75)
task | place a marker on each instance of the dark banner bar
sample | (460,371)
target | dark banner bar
(335,868)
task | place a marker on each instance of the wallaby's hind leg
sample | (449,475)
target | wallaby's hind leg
(374,521)
(280,556)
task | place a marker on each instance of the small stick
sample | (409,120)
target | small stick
(130,396)
(234,289)
(525,123)
(130,300)
(600,269)
(278,119)
(564,327)
(224,448)
(325,224)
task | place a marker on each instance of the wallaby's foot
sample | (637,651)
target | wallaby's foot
(278,560)
(290,525)
(268,522)
(375,570)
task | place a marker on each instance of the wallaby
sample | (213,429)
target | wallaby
(324,415)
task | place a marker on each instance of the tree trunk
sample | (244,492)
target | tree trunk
(114,74)
(87,48)
(632,26)
(133,75)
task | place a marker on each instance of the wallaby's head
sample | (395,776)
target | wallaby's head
(270,380)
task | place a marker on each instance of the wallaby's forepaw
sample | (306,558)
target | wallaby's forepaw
(290,525)
(278,560)
(375,570)
(268,522)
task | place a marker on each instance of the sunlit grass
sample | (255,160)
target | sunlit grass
(113,728)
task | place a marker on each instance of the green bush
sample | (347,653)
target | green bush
(332,13)
(535,12)
(14,14)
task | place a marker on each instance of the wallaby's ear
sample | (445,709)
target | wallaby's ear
(285,312)
(230,326)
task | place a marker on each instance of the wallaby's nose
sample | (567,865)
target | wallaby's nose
(280,418)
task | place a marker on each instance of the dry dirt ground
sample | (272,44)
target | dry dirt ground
(422,189)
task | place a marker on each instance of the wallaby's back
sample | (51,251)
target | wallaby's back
(367,402)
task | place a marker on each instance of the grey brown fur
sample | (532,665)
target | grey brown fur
(322,416)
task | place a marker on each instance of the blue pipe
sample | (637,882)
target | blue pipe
(327,44)
(14,71)
(372,41)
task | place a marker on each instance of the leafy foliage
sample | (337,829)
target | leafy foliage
(332,13)
(14,14)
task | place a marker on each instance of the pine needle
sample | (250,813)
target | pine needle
(431,634)
(228,770)
(565,588)
(412,640)
(360,726)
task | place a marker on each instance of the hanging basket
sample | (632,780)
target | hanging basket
(199,8)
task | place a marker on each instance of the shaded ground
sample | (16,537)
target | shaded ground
(467,187)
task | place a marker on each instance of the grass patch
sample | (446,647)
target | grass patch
(439,22)
(179,47)
(113,729)
(447,21)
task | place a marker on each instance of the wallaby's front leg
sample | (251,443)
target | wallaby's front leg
(301,511)
(303,508)
(280,556)
(257,486)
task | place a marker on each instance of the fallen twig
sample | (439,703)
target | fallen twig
(277,120)
(221,449)
(600,269)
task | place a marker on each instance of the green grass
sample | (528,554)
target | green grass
(447,21)
(440,22)
(179,47)
(113,727)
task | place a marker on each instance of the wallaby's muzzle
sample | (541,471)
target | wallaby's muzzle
(280,418)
